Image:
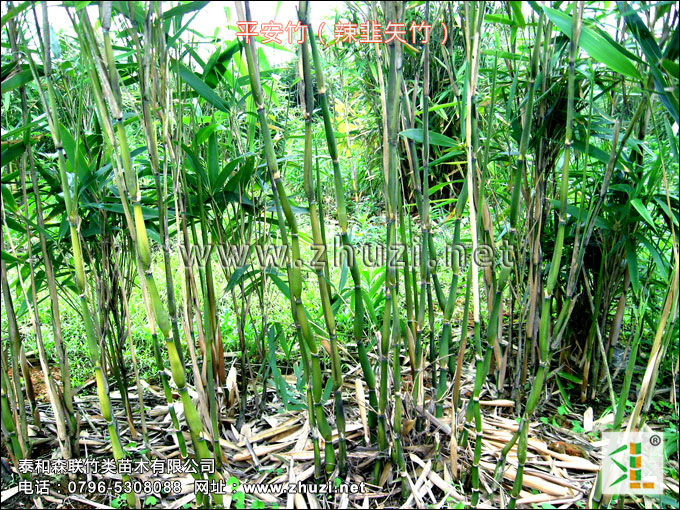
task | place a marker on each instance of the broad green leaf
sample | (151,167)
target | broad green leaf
(236,277)
(570,377)
(202,88)
(517,14)
(8,257)
(283,286)
(39,120)
(74,153)
(653,53)
(243,175)
(224,174)
(7,198)
(184,8)
(594,44)
(204,133)
(435,138)
(640,207)
(327,390)
(641,33)
(117,208)
(217,64)
(673,213)
(622,49)
(11,153)
(564,393)
(172,40)
(595,152)
(16,80)
(503,20)
(196,164)
(654,252)
(55,47)
(15,225)
(11,13)
(671,67)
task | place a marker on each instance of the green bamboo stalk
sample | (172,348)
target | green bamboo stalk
(304,350)
(391,331)
(57,402)
(544,328)
(427,251)
(21,430)
(472,43)
(669,311)
(19,433)
(126,330)
(321,268)
(358,326)
(210,320)
(155,38)
(463,342)
(66,395)
(50,107)
(294,275)
(445,359)
(414,339)
(8,426)
(108,298)
(630,367)
(520,171)
(408,289)
(105,86)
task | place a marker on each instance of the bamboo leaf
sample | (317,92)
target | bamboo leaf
(517,14)
(671,67)
(12,13)
(641,33)
(8,199)
(503,20)
(594,44)
(653,53)
(217,64)
(435,138)
(17,80)
(195,164)
(184,8)
(283,286)
(204,133)
(117,208)
(8,257)
(243,175)
(660,262)
(15,225)
(640,207)
(191,79)
(11,153)
(226,172)
(236,277)
(595,152)
(74,153)
(570,377)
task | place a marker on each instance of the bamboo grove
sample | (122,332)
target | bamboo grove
(542,137)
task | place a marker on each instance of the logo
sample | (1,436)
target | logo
(632,463)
